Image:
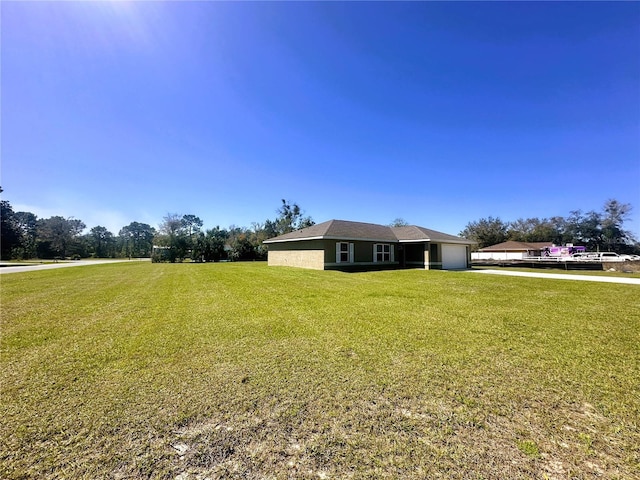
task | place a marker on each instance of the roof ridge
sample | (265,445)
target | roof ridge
(367,231)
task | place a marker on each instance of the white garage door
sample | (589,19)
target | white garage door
(454,256)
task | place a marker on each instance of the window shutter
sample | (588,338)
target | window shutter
(351,256)
(375,251)
(392,256)
(338,252)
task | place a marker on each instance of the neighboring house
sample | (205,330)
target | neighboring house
(512,250)
(344,245)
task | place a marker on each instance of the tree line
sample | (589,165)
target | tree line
(596,230)
(24,236)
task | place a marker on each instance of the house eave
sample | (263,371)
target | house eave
(354,239)
(333,237)
(422,240)
(378,240)
(293,239)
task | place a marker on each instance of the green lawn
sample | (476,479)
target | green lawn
(197,371)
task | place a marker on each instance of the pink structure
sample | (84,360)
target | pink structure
(565,251)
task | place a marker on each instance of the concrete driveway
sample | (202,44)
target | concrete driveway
(562,276)
(12,268)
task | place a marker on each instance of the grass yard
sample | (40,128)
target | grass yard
(197,371)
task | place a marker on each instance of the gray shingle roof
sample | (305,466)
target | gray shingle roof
(416,234)
(341,230)
(346,230)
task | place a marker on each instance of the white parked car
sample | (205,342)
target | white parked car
(598,257)
(612,257)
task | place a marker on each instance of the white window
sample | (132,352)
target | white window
(344,252)
(383,252)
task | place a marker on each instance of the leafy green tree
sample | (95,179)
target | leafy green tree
(486,231)
(9,230)
(268,229)
(399,222)
(191,225)
(57,236)
(173,237)
(536,230)
(584,229)
(259,233)
(558,226)
(136,239)
(242,248)
(594,230)
(210,246)
(248,243)
(613,218)
(27,223)
(102,242)
(81,247)
(573,228)
(291,218)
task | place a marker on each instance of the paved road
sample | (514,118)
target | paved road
(49,266)
(563,276)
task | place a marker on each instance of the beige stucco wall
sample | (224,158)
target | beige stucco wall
(309,254)
(297,258)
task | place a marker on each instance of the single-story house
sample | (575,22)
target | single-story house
(511,250)
(345,245)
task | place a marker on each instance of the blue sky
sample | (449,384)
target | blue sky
(439,113)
